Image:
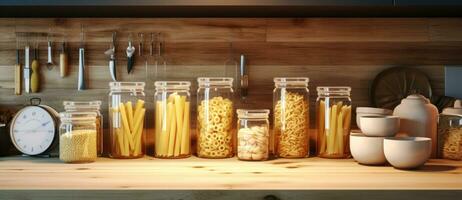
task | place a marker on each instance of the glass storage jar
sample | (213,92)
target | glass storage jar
(126,119)
(215,117)
(291,117)
(89,106)
(253,134)
(172,135)
(77,137)
(333,118)
(450,132)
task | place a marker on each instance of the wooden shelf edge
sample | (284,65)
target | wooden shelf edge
(22,173)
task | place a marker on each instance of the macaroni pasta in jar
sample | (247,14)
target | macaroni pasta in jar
(291,117)
(215,118)
(172,135)
(333,119)
(126,119)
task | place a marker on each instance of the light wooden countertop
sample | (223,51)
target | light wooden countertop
(25,173)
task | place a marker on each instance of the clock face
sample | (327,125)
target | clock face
(33,130)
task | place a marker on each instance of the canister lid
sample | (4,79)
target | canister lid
(127,85)
(173,85)
(77,116)
(215,81)
(416,98)
(333,90)
(253,114)
(291,81)
(456,110)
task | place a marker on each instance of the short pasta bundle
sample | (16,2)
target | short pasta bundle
(215,138)
(129,141)
(333,129)
(291,125)
(172,127)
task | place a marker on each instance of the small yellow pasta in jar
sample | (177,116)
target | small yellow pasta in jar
(214,118)
(213,131)
(291,118)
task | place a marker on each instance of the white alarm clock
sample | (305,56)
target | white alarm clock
(34,129)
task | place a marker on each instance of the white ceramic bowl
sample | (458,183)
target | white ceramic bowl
(370,111)
(367,150)
(407,152)
(380,126)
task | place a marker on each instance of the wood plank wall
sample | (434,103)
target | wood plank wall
(331,51)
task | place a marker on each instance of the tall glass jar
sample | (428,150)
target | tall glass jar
(253,134)
(172,101)
(89,106)
(450,132)
(291,117)
(333,118)
(215,117)
(77,137)
(126,119)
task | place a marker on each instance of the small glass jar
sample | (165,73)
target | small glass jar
(215,118)
(333,118)
(77,137)
(291,117)
(253,134)
(126,119)
(450,132)
(172,135)
(89,106)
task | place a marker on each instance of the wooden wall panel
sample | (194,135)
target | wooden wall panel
(331,51)
(348,30)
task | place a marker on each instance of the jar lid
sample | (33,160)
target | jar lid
(77,116)
(291,81)
(173,85)
(127,85)
(87,105)
(215,81)
(2,125)
(416,98)
(335,90)
(456,110)
(253,114)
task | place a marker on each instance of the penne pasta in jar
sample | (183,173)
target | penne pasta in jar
(172,119)
(126,119)
(333,119)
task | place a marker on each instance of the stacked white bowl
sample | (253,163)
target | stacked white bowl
(376,143)
(375,124)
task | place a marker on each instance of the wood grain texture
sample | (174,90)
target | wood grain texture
(123,194)
(331,51)
(348,30)
(194,173)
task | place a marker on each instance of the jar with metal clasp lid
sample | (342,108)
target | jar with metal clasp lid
(450,132)
(126,119)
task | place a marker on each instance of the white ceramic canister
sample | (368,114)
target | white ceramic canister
(419,118)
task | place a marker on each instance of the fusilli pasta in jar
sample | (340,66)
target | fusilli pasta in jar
(291,117)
